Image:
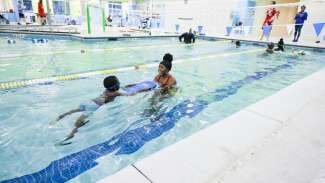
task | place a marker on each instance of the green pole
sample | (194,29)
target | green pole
(104,20)
(88,19)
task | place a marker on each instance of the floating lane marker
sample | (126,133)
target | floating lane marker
(47,80)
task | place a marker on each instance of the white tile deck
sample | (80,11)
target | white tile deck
(295,154)
(126,175)
(287,41)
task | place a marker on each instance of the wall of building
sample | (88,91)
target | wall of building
(5,5)
(213,15)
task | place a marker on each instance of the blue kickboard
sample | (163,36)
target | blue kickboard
(145,85)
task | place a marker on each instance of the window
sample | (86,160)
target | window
(28,6)
(61,7)
(115,9)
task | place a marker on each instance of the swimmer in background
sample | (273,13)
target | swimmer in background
(270,47)
(280,45)
(237,44)
(298,53)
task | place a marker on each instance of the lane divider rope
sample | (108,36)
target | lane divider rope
(49,80)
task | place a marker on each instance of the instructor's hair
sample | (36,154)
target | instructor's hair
(167,61)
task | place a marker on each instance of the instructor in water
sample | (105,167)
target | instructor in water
(188,37)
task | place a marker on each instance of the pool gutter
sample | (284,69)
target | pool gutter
(82,37)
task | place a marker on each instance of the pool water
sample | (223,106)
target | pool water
(214,80)
(31,61)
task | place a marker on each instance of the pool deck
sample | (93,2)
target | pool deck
(288,42)
(75,32)
(278,139)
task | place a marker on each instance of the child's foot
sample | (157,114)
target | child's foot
(62,143)
(52,123)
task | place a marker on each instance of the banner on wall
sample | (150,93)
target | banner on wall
(318,27)
(177,28)
(200,30)
(228,29)
(247,29)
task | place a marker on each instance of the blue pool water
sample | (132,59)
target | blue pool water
(214,80)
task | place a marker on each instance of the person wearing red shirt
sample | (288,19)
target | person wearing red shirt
(41,12)
(271,13)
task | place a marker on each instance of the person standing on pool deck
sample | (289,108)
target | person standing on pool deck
(20,12)
(41,13)
(188,37)
(299,22)
(271,13)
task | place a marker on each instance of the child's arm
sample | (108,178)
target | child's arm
(180,37)
(130,85)
(277,14)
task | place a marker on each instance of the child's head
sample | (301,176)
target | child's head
(301,52)
(166,65)
(111,83)
(270,46)
(237,43)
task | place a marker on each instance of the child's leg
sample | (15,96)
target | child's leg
(68,113)
(299,31)
(79,123)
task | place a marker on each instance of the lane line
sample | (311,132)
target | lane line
(49,80)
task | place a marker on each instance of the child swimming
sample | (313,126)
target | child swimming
(296,53)
(112,86)
(269,48)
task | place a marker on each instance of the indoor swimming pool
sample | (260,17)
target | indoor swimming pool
(214,80)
